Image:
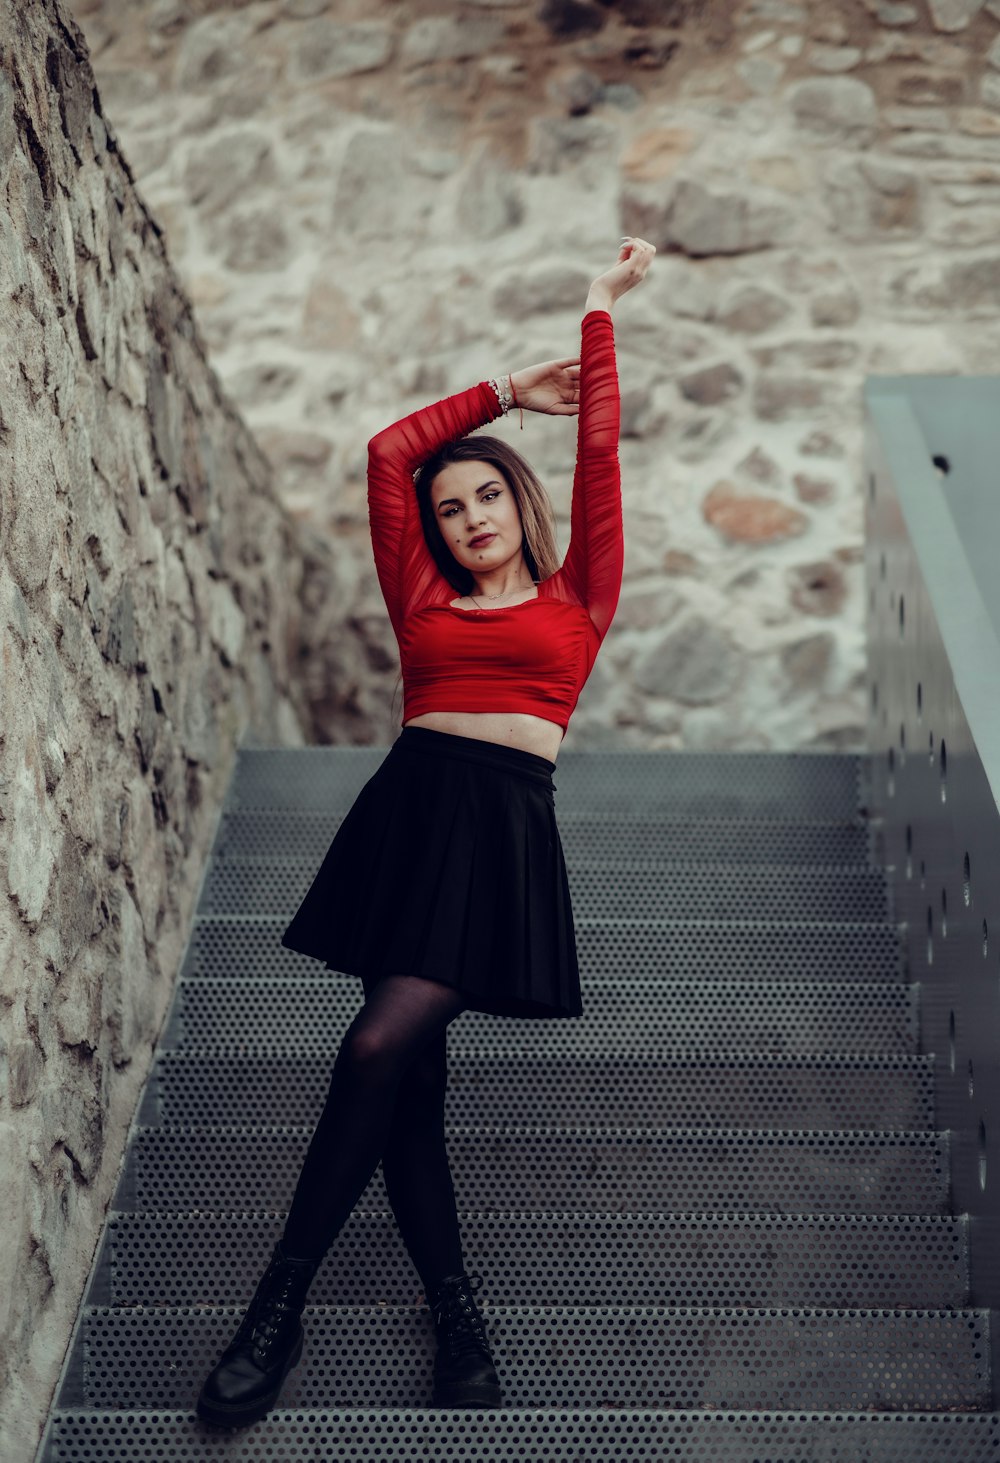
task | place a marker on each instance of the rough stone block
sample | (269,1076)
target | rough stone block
(656,154)
(326,50)
(751,518)
(964,286)
(222,171)
(834,59)
(838,109)
(452,38)
(712,385)
(750,309)
(930,88)
(778,396)
(953,15)
(867,199)
(371,196)
(819,588)
(703,221)
(540,289)
(696,664)
(807,662)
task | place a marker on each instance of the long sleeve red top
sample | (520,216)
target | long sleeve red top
(531,657)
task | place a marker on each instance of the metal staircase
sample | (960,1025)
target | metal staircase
(712,1214)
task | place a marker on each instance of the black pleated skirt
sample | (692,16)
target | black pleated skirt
(449,866)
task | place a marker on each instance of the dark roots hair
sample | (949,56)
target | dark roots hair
(537,517)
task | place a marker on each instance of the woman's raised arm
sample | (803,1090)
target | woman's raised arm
(592,570)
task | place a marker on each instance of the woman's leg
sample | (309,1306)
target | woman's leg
(416,1171)
(402,1014)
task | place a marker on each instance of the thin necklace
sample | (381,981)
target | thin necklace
(517,588)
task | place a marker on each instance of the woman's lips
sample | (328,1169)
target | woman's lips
(484,538)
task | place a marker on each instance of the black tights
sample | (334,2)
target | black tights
(386,1101)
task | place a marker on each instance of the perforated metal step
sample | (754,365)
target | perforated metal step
(830,1260)
(304,834)
(793,787)
(567,1356)
(675,891)
(731,1089)
(612,951)
(401,1435)
(610,1171)
(676,1015)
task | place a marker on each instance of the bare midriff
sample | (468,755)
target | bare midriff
(509,728)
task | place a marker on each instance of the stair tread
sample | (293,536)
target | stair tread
(601,1168)
(560,1258)
(722,1356)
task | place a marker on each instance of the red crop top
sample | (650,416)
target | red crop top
(531,657)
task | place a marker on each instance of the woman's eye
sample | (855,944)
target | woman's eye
(493,493)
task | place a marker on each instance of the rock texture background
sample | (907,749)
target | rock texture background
(374,204)
(149,607)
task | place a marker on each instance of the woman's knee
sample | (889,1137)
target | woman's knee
(370,1051)
(425,1080)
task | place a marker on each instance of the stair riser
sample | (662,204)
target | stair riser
(611,1174)
(563,1260)
(793,787)
(558,1437)
(372,1358)
(232,886)
(625,953)
(567,1091)
(680,1016)
(611,842)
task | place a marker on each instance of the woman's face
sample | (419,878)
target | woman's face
(477,514)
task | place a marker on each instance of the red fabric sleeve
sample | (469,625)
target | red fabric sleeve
(407,573)
(591,574)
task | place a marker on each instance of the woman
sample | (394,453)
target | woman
(445,888)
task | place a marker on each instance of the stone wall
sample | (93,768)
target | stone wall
(149,583)
(374,204)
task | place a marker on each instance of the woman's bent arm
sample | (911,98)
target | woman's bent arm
(406,571)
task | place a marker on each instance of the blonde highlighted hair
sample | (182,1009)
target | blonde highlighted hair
(537,518)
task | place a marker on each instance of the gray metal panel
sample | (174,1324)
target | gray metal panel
(672,891)
(567,1356)
(731,1088)
(957,419)
(934,729)
(787,1016)
(791,786)
(611,950)
(614,1170)
(835,1261)
(402,1435)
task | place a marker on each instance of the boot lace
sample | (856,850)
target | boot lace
(268,1322)
(460,1326)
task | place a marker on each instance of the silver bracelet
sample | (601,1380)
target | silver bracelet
(505,396)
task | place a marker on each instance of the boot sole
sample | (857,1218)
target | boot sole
(483,1396)
(237,1415)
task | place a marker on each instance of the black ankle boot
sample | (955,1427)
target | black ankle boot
(464,1375)
(249,1374)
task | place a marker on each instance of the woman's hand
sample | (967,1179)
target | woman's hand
(634,258)
(552,387)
